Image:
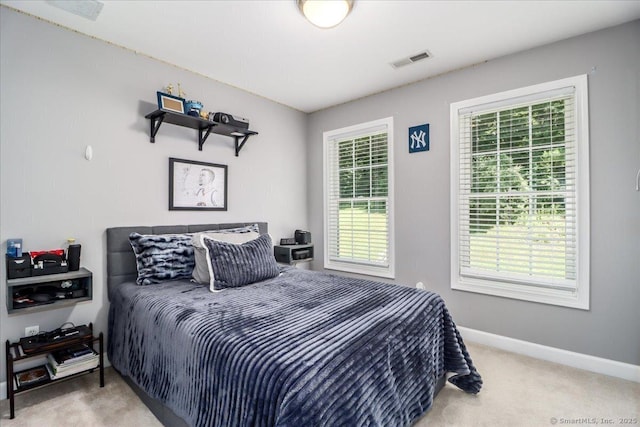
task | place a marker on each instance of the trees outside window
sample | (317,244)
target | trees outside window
(520,176)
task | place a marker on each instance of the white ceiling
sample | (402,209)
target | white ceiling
(267,47)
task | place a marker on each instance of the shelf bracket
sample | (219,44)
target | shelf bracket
(201,138)
(155,125)
(240,145)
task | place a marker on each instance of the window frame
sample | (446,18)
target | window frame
(578,296)
(350,266)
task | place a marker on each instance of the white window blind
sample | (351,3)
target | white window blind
(358,199)
(517,213)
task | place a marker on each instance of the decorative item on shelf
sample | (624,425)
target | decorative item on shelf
(231,120)
(14,248)
(204,115)
(170,102)
(73,254)
(181,93)
(48,262)
(18,267)
(193,108)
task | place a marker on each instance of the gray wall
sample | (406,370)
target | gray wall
(612,59)
(62,91)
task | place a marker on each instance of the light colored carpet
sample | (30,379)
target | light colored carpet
(523,391)
(517,391)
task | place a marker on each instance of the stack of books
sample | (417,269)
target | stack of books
(71,360)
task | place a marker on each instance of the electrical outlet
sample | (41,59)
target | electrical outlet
(30,331)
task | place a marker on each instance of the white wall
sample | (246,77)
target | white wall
(611,58)
(62,91)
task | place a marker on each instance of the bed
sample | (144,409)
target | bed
(301,348)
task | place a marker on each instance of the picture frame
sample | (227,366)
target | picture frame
(32,377)
(197,186)
(170,102)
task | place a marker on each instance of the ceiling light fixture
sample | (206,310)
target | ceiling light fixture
(325,13)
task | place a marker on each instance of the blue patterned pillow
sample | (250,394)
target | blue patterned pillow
(162,257)
(233,265)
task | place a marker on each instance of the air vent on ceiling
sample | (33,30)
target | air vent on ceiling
(410,60)
(89,9)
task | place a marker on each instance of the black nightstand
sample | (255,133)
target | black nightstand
(291,254)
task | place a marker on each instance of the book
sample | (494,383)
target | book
(32,377)
(72,360)
(61,372)
(73,354)
(77,363)
(71,363)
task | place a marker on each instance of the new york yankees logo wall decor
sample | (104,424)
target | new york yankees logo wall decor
(419,138)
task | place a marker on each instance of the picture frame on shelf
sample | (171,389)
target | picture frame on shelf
(197,186)
(170,102)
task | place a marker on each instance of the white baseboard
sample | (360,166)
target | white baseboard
(599,365)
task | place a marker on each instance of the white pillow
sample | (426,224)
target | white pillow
(201,270)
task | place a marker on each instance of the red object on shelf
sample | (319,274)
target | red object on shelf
(59,252)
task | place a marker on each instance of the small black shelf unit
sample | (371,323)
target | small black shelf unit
(204,127)
(15,354)
(82,288)
(292,254)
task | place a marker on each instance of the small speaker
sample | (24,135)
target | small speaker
(302,237)
(73,257)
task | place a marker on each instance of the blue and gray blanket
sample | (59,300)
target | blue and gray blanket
(302,349)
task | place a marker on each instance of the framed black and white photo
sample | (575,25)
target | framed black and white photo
(196,186)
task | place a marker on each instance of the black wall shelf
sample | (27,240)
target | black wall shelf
(204,127)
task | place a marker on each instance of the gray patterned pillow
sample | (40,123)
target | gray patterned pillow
(201,270)
(231,235)
(162,257)
(234,265)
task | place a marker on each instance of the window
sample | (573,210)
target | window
(358,197)
(520,194)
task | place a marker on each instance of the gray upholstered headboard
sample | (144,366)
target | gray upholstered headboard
(121,262)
